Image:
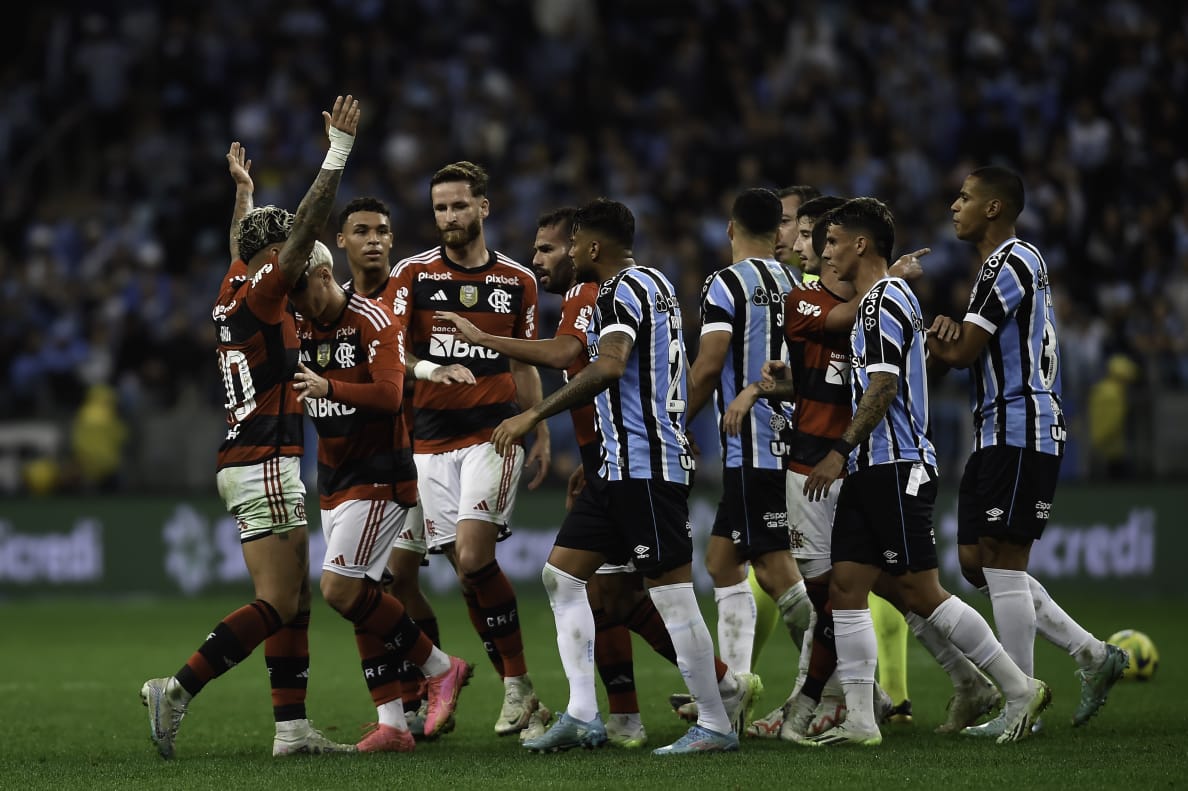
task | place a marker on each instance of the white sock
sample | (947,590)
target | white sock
(736,625)
(833,687)
(677,605)
(857,655)
(968,630)
(575,639)
(392,713)
(437,663)
(796,611)
(806,648)
(961,671)
(1014,614)
(292,726)
(1059,629)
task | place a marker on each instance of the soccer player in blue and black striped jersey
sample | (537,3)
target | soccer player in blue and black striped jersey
(742,327)
(637,379)
(1008,340)
(883,520)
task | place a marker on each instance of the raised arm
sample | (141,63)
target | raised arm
(314,209)
(240,167)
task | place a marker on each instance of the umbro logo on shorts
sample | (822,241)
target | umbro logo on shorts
(994,514)
(641,551)
(890,556)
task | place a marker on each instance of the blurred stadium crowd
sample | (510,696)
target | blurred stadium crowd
(114,120)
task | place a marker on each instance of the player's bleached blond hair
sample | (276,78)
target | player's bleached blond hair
(260,227)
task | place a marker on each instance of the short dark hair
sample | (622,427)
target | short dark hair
(870,215)
(758,211)
(818,207)
(469,172)
(607,218)
(802,191)
(363,204)
(562,216)
(1004,184)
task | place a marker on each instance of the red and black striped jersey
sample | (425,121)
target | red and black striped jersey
(500,298)
(820,364)
(256,342)
(362,357)
(406,469)
(577,312)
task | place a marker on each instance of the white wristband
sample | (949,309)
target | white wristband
(424,369)
(340,147)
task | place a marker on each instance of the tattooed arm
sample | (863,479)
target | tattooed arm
(319,200)
(871,409)
(613,351)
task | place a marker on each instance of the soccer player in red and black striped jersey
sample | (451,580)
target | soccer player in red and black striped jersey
(468,490)
(259,460)
(351,381)
(365,235)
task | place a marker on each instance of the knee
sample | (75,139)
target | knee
(970,557)
(340,592)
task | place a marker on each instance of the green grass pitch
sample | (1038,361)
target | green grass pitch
(70,716)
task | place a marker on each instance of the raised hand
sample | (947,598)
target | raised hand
(344,117)
(240,167)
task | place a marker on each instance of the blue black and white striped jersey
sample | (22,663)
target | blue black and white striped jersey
(641,417)
(1015,382)
(746,299)
(888,337)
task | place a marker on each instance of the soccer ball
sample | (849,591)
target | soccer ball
(1144,656)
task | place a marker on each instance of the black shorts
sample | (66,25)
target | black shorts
(884,518)
(588,525)
(1006,493)
(651,518)
(753,512)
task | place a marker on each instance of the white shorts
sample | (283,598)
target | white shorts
(411,537)
(264,498)
(468,483)
(359,534)
(810,524)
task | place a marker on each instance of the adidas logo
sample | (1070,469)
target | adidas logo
(482,506)
(439,296)
(338,561)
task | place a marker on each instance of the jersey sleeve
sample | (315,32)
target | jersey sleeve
(266,293)
(882,321)
(384,346)
(717,306)
(998,293)
(577,311)
(526,327)
(399,292)
(619,307)
(805,311)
